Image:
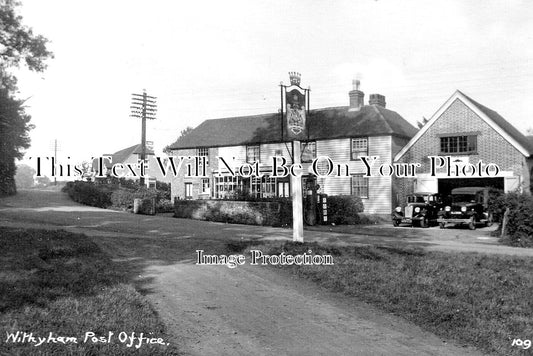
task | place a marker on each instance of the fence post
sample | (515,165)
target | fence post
(504,221)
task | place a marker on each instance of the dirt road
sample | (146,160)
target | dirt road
(215,310)
(256,311)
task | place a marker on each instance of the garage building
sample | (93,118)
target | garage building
(463,132)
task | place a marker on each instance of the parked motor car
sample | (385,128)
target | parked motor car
(469,205)
(421,210)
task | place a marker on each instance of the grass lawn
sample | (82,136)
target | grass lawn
(480,300)
(63,283)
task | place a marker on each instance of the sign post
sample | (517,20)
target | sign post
(294,110)
(297,209)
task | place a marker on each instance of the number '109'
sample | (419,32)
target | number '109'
(525,344)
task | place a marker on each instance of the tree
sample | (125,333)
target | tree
(24,176)
(18,44)
(183,133)
(43,181)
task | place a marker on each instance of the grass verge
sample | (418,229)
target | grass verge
(478,300)
(63,283)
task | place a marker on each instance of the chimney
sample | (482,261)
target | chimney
(377,99)
(356,96)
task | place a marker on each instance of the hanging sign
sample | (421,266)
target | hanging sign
(294,109)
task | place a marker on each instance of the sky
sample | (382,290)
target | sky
(214,59)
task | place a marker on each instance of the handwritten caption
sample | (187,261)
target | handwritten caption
(129,339)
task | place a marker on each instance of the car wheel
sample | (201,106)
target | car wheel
(472,223)
(442,225)
(424,222)
(490,220)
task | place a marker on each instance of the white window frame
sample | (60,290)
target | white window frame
(359,190)
(358,147)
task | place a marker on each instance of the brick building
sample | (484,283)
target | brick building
(341,133)
(467,132)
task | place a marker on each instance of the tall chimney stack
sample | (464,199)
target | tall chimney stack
(356,96)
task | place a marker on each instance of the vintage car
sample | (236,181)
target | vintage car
(421,210)
(469,205)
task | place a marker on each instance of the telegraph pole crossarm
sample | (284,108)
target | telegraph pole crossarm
(143,106)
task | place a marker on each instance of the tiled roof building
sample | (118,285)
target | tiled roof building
(341,133)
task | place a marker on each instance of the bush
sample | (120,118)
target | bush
(497,203)
(89,194)
(123,198)
(163,190)
(519,228)
(165,206)
(344,209)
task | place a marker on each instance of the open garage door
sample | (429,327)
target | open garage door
(447,184)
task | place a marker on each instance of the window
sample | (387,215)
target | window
(308,151)
(458,144)
(203,151)
(205,185)
(359,148)
(252,154)
(360,186)
(188,190)
(227,186)
(263,187)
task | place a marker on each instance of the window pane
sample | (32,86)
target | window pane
(444,144)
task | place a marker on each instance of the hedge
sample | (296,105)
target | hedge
(268,213)
(519,227)
(345,209)
(89,194)
(116,196)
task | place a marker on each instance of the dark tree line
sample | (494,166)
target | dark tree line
(18,46)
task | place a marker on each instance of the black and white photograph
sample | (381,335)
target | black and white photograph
(266,177)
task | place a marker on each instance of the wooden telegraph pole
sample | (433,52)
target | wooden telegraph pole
(144,107)
(294,113)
